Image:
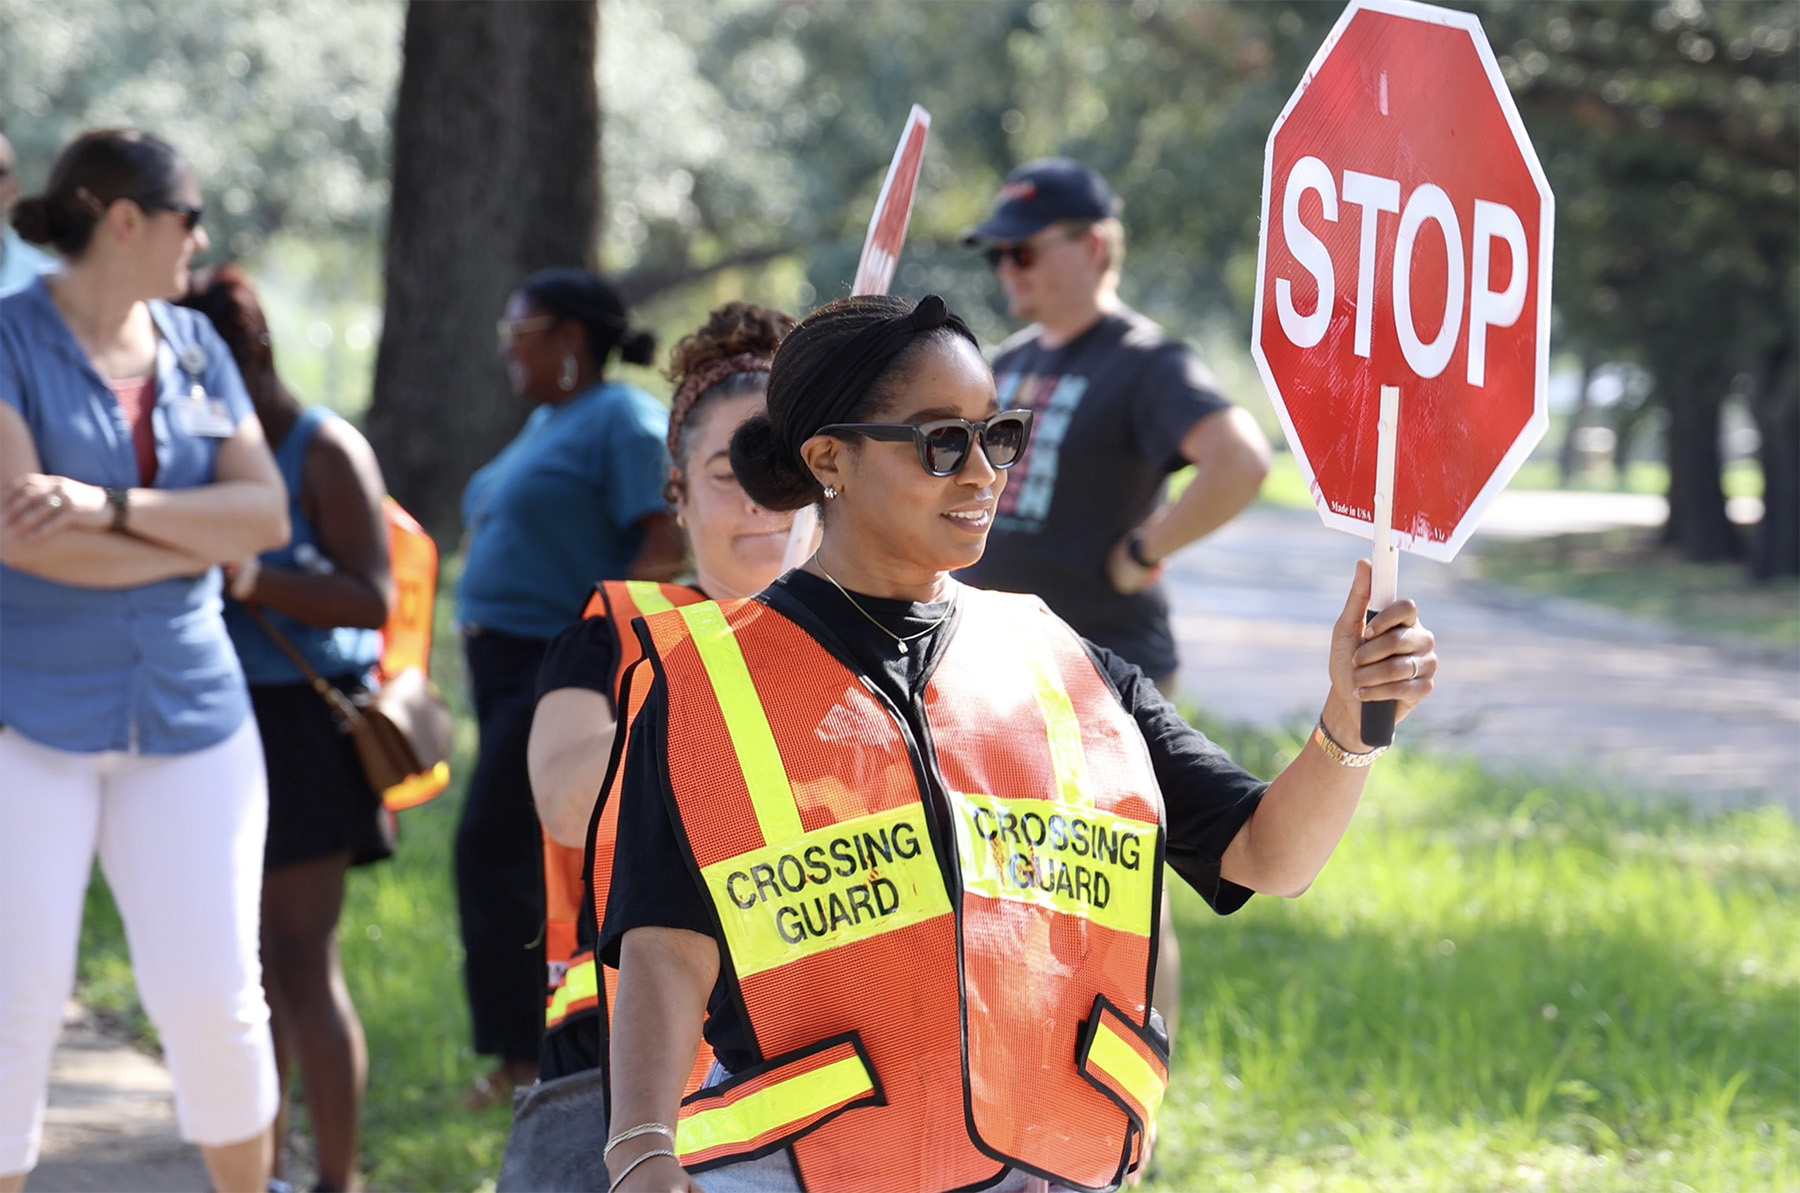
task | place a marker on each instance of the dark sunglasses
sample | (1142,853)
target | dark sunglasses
(1024,254)
(190,215)
(943,443)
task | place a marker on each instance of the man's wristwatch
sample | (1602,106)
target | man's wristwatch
(120,500)
(1134,547)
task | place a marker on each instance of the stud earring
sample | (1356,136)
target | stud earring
(830,492)
(565,380)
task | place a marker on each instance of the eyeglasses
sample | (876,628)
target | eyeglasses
(943,443)
(509,329)
(190,213)
(1024,255)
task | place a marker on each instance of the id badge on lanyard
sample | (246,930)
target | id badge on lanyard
(199,413)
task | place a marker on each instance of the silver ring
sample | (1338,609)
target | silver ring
(54,500)
(1415,674)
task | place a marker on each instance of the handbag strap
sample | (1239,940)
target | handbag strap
(340,703)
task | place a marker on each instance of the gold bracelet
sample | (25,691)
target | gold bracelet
(1339,754)
(654,1152)
(634,1132)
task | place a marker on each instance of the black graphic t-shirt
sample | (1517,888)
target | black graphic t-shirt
(1110,409)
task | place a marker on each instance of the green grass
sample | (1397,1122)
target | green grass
(1498,987)
(1625,569)
(1493,986)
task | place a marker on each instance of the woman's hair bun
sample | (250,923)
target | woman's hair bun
(734,329)
(32,219)
(766,470)
(638,347)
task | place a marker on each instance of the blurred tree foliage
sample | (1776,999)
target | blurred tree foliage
(282,108)
(746,139)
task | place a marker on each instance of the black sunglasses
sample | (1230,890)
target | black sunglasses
(190,214)
(1025,253)
(943,443)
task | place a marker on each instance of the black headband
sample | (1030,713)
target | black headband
(832,392)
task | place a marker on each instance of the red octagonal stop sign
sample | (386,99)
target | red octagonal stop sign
(1406,238)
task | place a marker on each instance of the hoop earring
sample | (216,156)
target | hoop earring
(830,492)
(566,379)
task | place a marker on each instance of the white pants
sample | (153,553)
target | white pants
(180,839)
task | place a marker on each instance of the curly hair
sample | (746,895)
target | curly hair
(730,354)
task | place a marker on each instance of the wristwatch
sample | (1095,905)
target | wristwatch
(1338,754)
(120,500)
(1134,547)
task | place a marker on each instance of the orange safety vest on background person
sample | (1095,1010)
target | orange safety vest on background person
(574,981)
(406,638)
(917,1036)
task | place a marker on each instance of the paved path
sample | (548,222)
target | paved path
(111,1120)
(1548,686)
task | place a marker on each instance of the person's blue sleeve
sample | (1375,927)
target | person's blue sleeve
(634,460)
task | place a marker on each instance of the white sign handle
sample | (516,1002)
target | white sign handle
(1384,558)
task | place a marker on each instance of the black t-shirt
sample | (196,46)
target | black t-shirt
(1208,796)
(1111,407)
(582,655)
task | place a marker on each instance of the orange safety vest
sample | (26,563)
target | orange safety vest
(574,981)
(916,1035)
(406,638)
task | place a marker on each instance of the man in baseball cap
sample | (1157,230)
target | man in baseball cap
(1119,406)
(1041,193)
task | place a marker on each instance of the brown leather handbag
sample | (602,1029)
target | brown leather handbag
(401,729)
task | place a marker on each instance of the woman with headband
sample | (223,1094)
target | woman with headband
(900,841)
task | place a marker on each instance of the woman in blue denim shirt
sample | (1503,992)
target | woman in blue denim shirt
(131,465)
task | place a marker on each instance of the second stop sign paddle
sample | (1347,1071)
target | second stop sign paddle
(1403,280)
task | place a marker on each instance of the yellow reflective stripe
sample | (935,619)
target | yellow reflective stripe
(1119,1060)
(1063,730)
(752,739)
(1070,858)
(648,596)
(775,1108)
(581,981)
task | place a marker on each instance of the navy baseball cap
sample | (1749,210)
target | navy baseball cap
(1040,193)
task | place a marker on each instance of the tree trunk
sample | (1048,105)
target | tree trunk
(1776,549)
(1697,527)
(495,174)
(1568,457)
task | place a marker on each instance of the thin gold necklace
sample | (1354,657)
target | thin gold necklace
(897,638)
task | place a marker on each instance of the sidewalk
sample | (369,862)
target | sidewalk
(111,1120)
(1550,687)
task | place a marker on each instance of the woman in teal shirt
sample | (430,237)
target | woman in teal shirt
(576,497)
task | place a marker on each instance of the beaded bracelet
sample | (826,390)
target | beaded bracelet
(634,1132)
(661,1151)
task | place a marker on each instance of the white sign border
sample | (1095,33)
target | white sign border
(1539,422)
